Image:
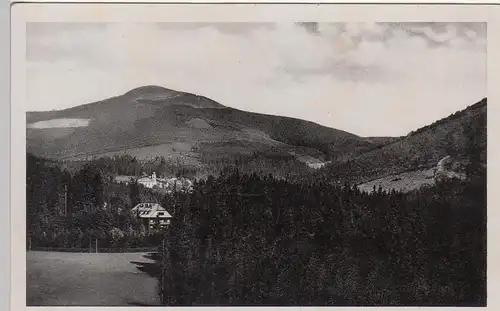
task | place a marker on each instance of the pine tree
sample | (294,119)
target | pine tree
(135,193)
(98,189)
(180,260)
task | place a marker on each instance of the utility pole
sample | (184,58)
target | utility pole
(65,200)
(96,245)
(162,264)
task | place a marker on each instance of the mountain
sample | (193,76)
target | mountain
(151,121)
(412,159)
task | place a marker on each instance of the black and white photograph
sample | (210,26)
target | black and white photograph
(256,163)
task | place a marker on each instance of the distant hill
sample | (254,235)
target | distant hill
(150,121)
(416,152)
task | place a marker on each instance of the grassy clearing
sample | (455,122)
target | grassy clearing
(83,279)
(406,181)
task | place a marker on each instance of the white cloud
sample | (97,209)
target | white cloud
(450,33)
(471,34)
(281,70)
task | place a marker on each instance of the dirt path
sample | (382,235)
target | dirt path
(83,279)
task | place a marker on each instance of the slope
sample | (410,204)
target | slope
(151,120)
(419,150)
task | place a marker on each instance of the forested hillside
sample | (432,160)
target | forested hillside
(422,148)
(151,120)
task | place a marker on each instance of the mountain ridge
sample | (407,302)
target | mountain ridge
(151,121)
(153,115)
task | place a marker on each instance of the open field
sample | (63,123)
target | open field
(406,181)
(86,279)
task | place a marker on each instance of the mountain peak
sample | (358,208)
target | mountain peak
(159,94)
(151,90)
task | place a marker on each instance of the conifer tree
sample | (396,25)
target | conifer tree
(135,194)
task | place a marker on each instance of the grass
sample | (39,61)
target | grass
(406,181)
(86,279)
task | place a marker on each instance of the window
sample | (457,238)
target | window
(160,213)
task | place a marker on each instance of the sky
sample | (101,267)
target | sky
(370,79)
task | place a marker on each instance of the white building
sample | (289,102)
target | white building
(176,184)
(169,184)
(148,182)
(152,214)
(121,179)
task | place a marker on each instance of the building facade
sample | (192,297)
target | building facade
(148,182)
(153,215)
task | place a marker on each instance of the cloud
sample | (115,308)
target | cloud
(370,79)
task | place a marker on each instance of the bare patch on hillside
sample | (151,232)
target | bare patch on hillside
(59,123)
(406,181)
(198,123)
(180,152)
(311,161)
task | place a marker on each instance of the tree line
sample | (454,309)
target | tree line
(71,210)
(245,239)
(125,164)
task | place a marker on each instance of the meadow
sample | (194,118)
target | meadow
(89,279)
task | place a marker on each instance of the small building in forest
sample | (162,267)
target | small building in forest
(170,185)
(122,179)
(148,182)
(153,215)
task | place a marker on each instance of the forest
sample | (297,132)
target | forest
(70,210)
(250,240)
(251,237)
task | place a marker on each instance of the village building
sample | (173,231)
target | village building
(153,215)
(175,184)
(169,184)
(153,182)
(122,179)
(148,182)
